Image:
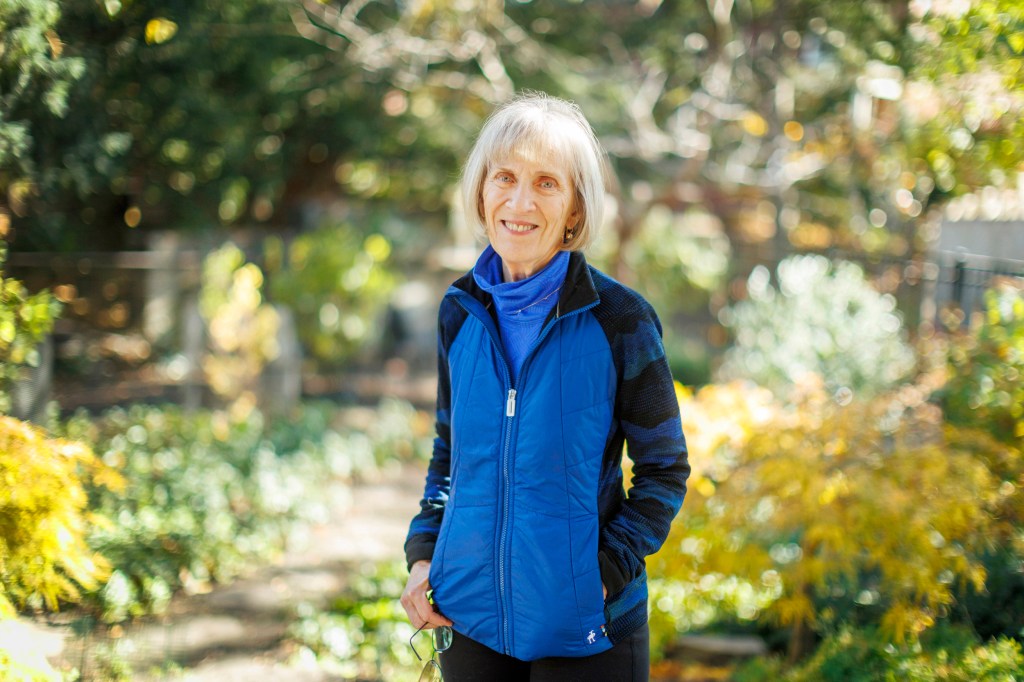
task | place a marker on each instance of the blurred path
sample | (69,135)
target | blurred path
(237,632)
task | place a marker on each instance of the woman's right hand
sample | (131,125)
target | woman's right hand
(415,601)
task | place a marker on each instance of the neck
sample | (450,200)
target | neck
(510,275)
(516,272)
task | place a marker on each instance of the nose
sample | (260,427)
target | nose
(521,197)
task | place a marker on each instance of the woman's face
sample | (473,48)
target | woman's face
(527,205)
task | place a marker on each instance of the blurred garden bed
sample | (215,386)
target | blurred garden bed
(167,503)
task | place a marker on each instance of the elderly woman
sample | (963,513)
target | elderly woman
(527,545)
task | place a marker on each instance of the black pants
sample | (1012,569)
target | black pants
(469,661)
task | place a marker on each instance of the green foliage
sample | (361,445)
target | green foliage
(838,506)
(44,517)
(25,320)
(865,656)
(998,609)
(986,384)
(760,669)
(692,603)
(677,258)
(966,56)
(242,327)
(235,118)
(35,77)
(337,282)
(985,393)
(365,634)
(206,494)
(822,319)
(240,111)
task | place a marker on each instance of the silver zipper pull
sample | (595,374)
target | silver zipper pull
(510,404)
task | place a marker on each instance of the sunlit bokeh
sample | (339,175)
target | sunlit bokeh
(225,230)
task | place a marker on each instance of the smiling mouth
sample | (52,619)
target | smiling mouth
(517,227)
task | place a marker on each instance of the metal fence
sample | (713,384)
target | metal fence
(963,279)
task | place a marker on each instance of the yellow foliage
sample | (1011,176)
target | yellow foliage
(718,421)
(875,501)
(43,516)
(242,326)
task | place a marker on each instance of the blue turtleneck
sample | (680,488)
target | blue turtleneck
(522,306)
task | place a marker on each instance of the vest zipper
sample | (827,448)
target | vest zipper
(510,412)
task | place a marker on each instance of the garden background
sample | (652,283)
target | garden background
(226,227)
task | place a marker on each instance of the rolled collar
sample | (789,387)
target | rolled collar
(577,292)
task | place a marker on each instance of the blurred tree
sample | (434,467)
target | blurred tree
(965,113)
(796,123)
(35,76)
(191,116)
(799,124)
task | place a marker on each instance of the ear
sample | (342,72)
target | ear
(574,219)
(577,213)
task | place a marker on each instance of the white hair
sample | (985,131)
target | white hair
(529,125)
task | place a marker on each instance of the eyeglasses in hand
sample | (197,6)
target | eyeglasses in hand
(441,639)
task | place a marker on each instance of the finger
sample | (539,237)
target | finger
(416,606)
(410,612)
(424,610)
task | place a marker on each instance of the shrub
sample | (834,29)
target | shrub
(862,505)
(242,327)
(336,281)
(866,656)
(209,493)
(44,521)
(206,494)
(986,369)
(25,320)
(823,319)
(984,396)
(678,258)
(718,422)
(365,633)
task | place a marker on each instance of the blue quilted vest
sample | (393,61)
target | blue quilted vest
(524,507)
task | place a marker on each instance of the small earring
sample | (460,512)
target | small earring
(568,235)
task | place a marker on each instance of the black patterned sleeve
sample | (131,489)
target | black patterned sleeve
(647,411)
(425,526)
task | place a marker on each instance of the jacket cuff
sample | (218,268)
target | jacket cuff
(419,548)
(612,575)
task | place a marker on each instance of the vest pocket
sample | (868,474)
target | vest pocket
(465,581)
(590,602)
(586,573)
